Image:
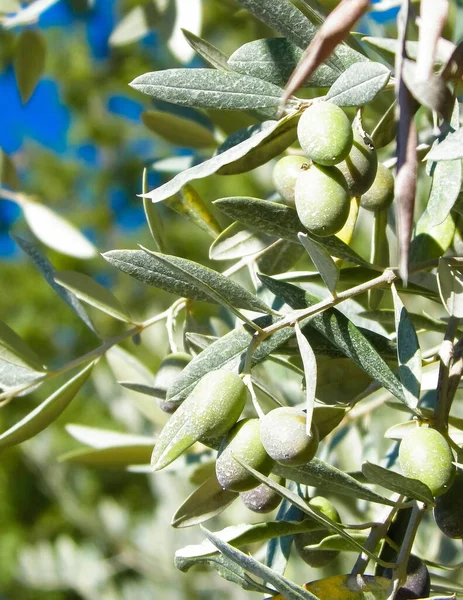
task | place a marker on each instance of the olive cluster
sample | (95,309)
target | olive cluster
(339,163)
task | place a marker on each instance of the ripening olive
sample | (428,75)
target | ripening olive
(284,436)
(448,511)
(359,167)
(170,368)
(322,200)
(381,193)
(211,409)
(425,455)
(418,582)
(285,173)
(262,499)
(242,441)
(325,133)
(302,541)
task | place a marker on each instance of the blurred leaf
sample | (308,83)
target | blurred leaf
(106,438)
(387,48)
(310,374)
(449,148)
(8,174)
(322,260)
(212,55)
(14,350)
(29,14)
(47,412)
(281,257)
(398,483)
(135,25)
(386,129)
(54,231)
(274,59)
(88,290)
(191,18)
(208,167)
(209,88)
(127,367)
(423,322)
(9,6)
(432,92)
(48,272)
(237,241)
(431,242)
(17,379)
(148,390)
(408,352)
(183,277)
(178,130)
(207,501)
(281,221)
(29,61)
(397,432)
(327,418)
(111,457)
(336,542)
(359,84)
(153,218)
(450,279)
(284,133)
(291,590)
(189,203)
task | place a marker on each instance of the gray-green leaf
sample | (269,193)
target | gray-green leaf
(237,241)
(14,350)
(450,279)
(359,84)
(322,260)
(178,130)
(398,483)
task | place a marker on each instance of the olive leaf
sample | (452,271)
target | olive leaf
(14,350)
(310,374)
(450,147)
(111,457)
(450,279)
(8,173)
(135,25)
(398,483)
(29,61)
(189,203)
(322,260)
(237,241)
(359,84)
(153,218)
(178,130)
(212,55)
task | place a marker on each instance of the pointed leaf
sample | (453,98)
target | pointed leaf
(281,221)
(178,130)
(447,178)
(29,61)
(398,483)
(359,84)
(450,279)
(212,55)
(111,457)
(8,173)
(450,148)
(209,88)
(387,47)
(280,258)
(408,352)
(45,413)
(310,374)
(237,241)
(327,418)
(17,380)
(322,260)
(207,501)
(135,25)
(189,203)
(106,438)
(14,350)
(88,290)
(385,131)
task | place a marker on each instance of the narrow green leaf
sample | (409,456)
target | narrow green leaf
(310,374)
(283,134)
(327,418)
(212,55)
(398,483)
(148,390)
(88,290)
(281,221)
(320,474)
(9,6)
(385,131)
(359,84)
(8,174)
(207,501)
(290,590)
(135,25)
(153,218)
(408,352)
(17,379)
(446,183)
(421,322)
(29,61)
(450,279)
(209,88)
(28,14)
(450,148)
(322,260)
(178,130)
(111,457)
(189,204)
(48,272)
(208,167)
(45,413)
(14,350)
(237,241)
(431,242)
(280,258)
(432,93)
(387,48)
(95,437)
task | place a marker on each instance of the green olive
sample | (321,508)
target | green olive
(242,441)
(325,133)
(170,368)
(381,193)
(284,436)
(448,511)
(302,541)
(262,499)
(212,408)
(360,166)
(322,200)
(425,455)
(418,582)
(285,173)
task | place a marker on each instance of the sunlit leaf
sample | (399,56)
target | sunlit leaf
(359,84)
(135,25)
(237,241)
(398,483)
(212,55)
(14,350)
(322,260)
(189,203)
(111,457)
(310,374)
(450,279)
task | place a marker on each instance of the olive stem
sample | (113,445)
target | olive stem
(399,574)
(444,398)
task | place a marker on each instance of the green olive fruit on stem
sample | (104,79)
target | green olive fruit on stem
(360,166)
(170,368)
(285,174)
(243,442)
(322,200)
(425,455)
(303,541)
(262,499)
(284,436)
(325,133)
(448,511)
(418,582)
(381,193)
(212,408)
